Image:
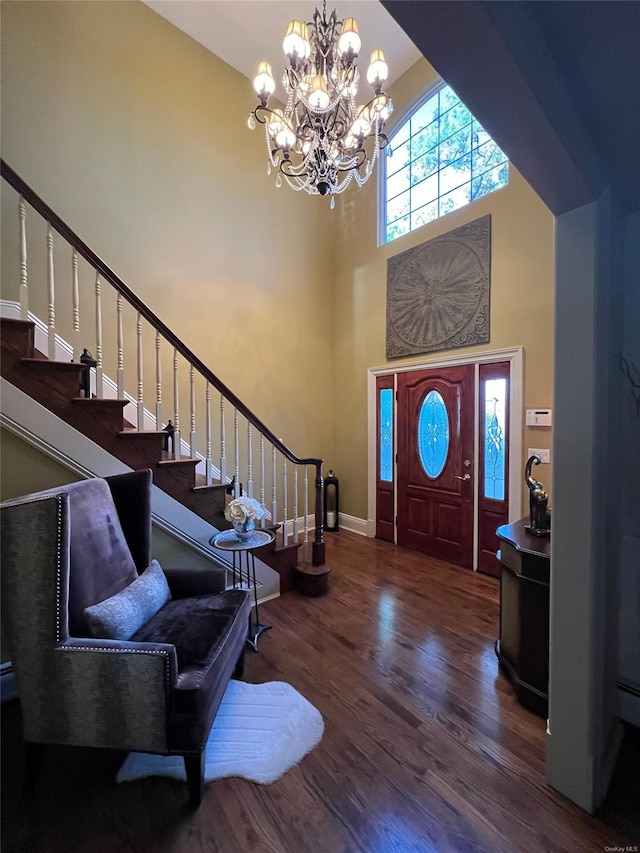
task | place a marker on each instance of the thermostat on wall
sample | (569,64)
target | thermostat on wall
(539,417)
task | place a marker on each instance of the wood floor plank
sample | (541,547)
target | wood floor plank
(425,750)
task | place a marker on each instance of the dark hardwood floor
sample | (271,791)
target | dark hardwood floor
(425,748)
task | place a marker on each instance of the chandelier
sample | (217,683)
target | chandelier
(323,139)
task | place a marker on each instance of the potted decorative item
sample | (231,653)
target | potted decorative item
(242,513)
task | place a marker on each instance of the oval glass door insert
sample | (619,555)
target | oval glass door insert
(433,434)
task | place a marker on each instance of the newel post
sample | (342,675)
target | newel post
(317,553)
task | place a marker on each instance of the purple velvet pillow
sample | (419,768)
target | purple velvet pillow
(121,615)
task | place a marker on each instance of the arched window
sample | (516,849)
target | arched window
(439,159)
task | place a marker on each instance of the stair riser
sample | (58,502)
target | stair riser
(180,477)
(213,502)
(179,486)
(208,510)
(286,557)
(144,450)
(89,415)
(287,580)
(17,339)
(53,387)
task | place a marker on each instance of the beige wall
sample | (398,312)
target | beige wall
(25,469)
(137,136)
(521,302)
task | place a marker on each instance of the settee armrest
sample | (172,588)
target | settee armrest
(148,654)
(184,583)
(110,693)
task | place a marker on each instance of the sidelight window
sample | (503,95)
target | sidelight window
(495,395)
(386,434)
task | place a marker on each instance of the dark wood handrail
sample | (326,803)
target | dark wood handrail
(107,273)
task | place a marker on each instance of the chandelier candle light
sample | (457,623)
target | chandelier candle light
(320,141)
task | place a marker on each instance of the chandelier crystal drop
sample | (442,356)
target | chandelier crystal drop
(323,139)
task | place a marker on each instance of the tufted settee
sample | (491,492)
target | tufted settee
(108,649)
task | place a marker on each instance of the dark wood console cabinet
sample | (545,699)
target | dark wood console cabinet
(523,646)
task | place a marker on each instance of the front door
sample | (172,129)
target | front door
(435,424)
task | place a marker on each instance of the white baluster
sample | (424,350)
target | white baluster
(249,462)
(236,456)
(158,384)
(176,408)
(274,502)
(305,533)
(76,343)
(140,385)
(192,436)
(285,531)
(99,393)
(223,444)
(120,369)
(51,350)
(263,519)
(208,463)
(295,504)
(24,288)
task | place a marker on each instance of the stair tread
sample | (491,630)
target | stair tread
(131,433)
(100,401)
(278,546)
(175,462)
(309,569)
(202,487)
(16,321)
(42,362)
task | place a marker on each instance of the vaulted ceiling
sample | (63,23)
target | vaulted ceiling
(556,83)
(242,32)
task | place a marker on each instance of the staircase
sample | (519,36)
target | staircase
(191,478)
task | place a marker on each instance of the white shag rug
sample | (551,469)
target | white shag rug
(260,732)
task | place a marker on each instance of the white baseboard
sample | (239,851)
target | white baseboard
(353,524)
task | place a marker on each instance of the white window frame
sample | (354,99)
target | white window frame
(403,117)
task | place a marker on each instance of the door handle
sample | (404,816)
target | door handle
(466,477)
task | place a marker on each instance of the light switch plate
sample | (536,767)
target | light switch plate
(544,455)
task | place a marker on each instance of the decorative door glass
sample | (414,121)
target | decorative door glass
(386,434)
(495,394)
(433,434)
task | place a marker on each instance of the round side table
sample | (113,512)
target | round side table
(243,564)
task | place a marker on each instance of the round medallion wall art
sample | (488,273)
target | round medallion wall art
(438,292)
